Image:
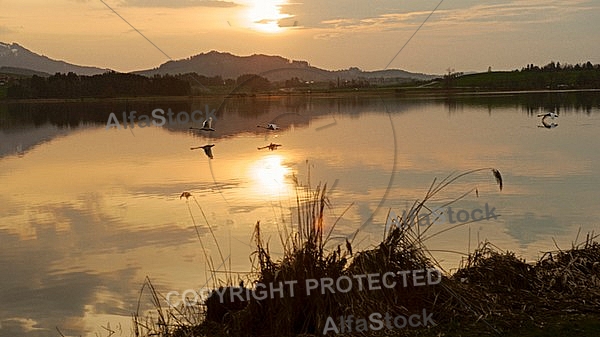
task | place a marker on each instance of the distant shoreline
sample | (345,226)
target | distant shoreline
(413,92)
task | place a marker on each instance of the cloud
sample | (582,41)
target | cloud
(484,17)
(379,23)
(178,3)
(518,11)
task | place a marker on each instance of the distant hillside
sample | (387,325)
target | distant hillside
(16,56)
(551,76)
(22,72)
(211,64)
(274,68)
(390,73)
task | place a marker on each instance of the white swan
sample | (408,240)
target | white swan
(206,125)
(552,115)
(546,125)
(270,126)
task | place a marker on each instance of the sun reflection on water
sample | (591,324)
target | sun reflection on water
(270,176)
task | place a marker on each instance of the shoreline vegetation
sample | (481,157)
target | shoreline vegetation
(492,293)
(111,85)
(378,92)
(381,92)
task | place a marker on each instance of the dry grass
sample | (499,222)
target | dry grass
(492,293)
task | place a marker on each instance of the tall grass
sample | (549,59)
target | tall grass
(485,296)
(174,320)
(308,254)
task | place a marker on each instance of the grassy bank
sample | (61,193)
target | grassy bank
(493,293)
(525,80)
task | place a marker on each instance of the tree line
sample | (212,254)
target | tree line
(552,66)
(553,75)
(109,84)
(113,84)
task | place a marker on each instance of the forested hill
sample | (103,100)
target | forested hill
(272,67)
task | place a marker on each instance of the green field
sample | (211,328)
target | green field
(528,80)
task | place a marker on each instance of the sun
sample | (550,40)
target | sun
(264,15)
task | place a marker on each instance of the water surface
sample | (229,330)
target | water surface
(87,213)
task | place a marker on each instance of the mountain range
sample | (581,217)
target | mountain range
(16,59)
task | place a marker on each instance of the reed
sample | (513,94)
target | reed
(491,293)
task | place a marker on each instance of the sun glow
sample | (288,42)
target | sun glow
(264,15)
(269,175)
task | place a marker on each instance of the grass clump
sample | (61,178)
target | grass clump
(309,254)
(493,293)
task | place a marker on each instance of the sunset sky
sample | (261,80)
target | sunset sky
(465,35)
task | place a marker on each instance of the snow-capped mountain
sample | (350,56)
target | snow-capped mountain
(15,56)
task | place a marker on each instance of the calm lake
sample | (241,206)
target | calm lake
(87,213)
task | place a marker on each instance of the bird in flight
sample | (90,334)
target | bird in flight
(552,115)
(270,126)
(271,147)
(206,125)
(552,125)
(207,149)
